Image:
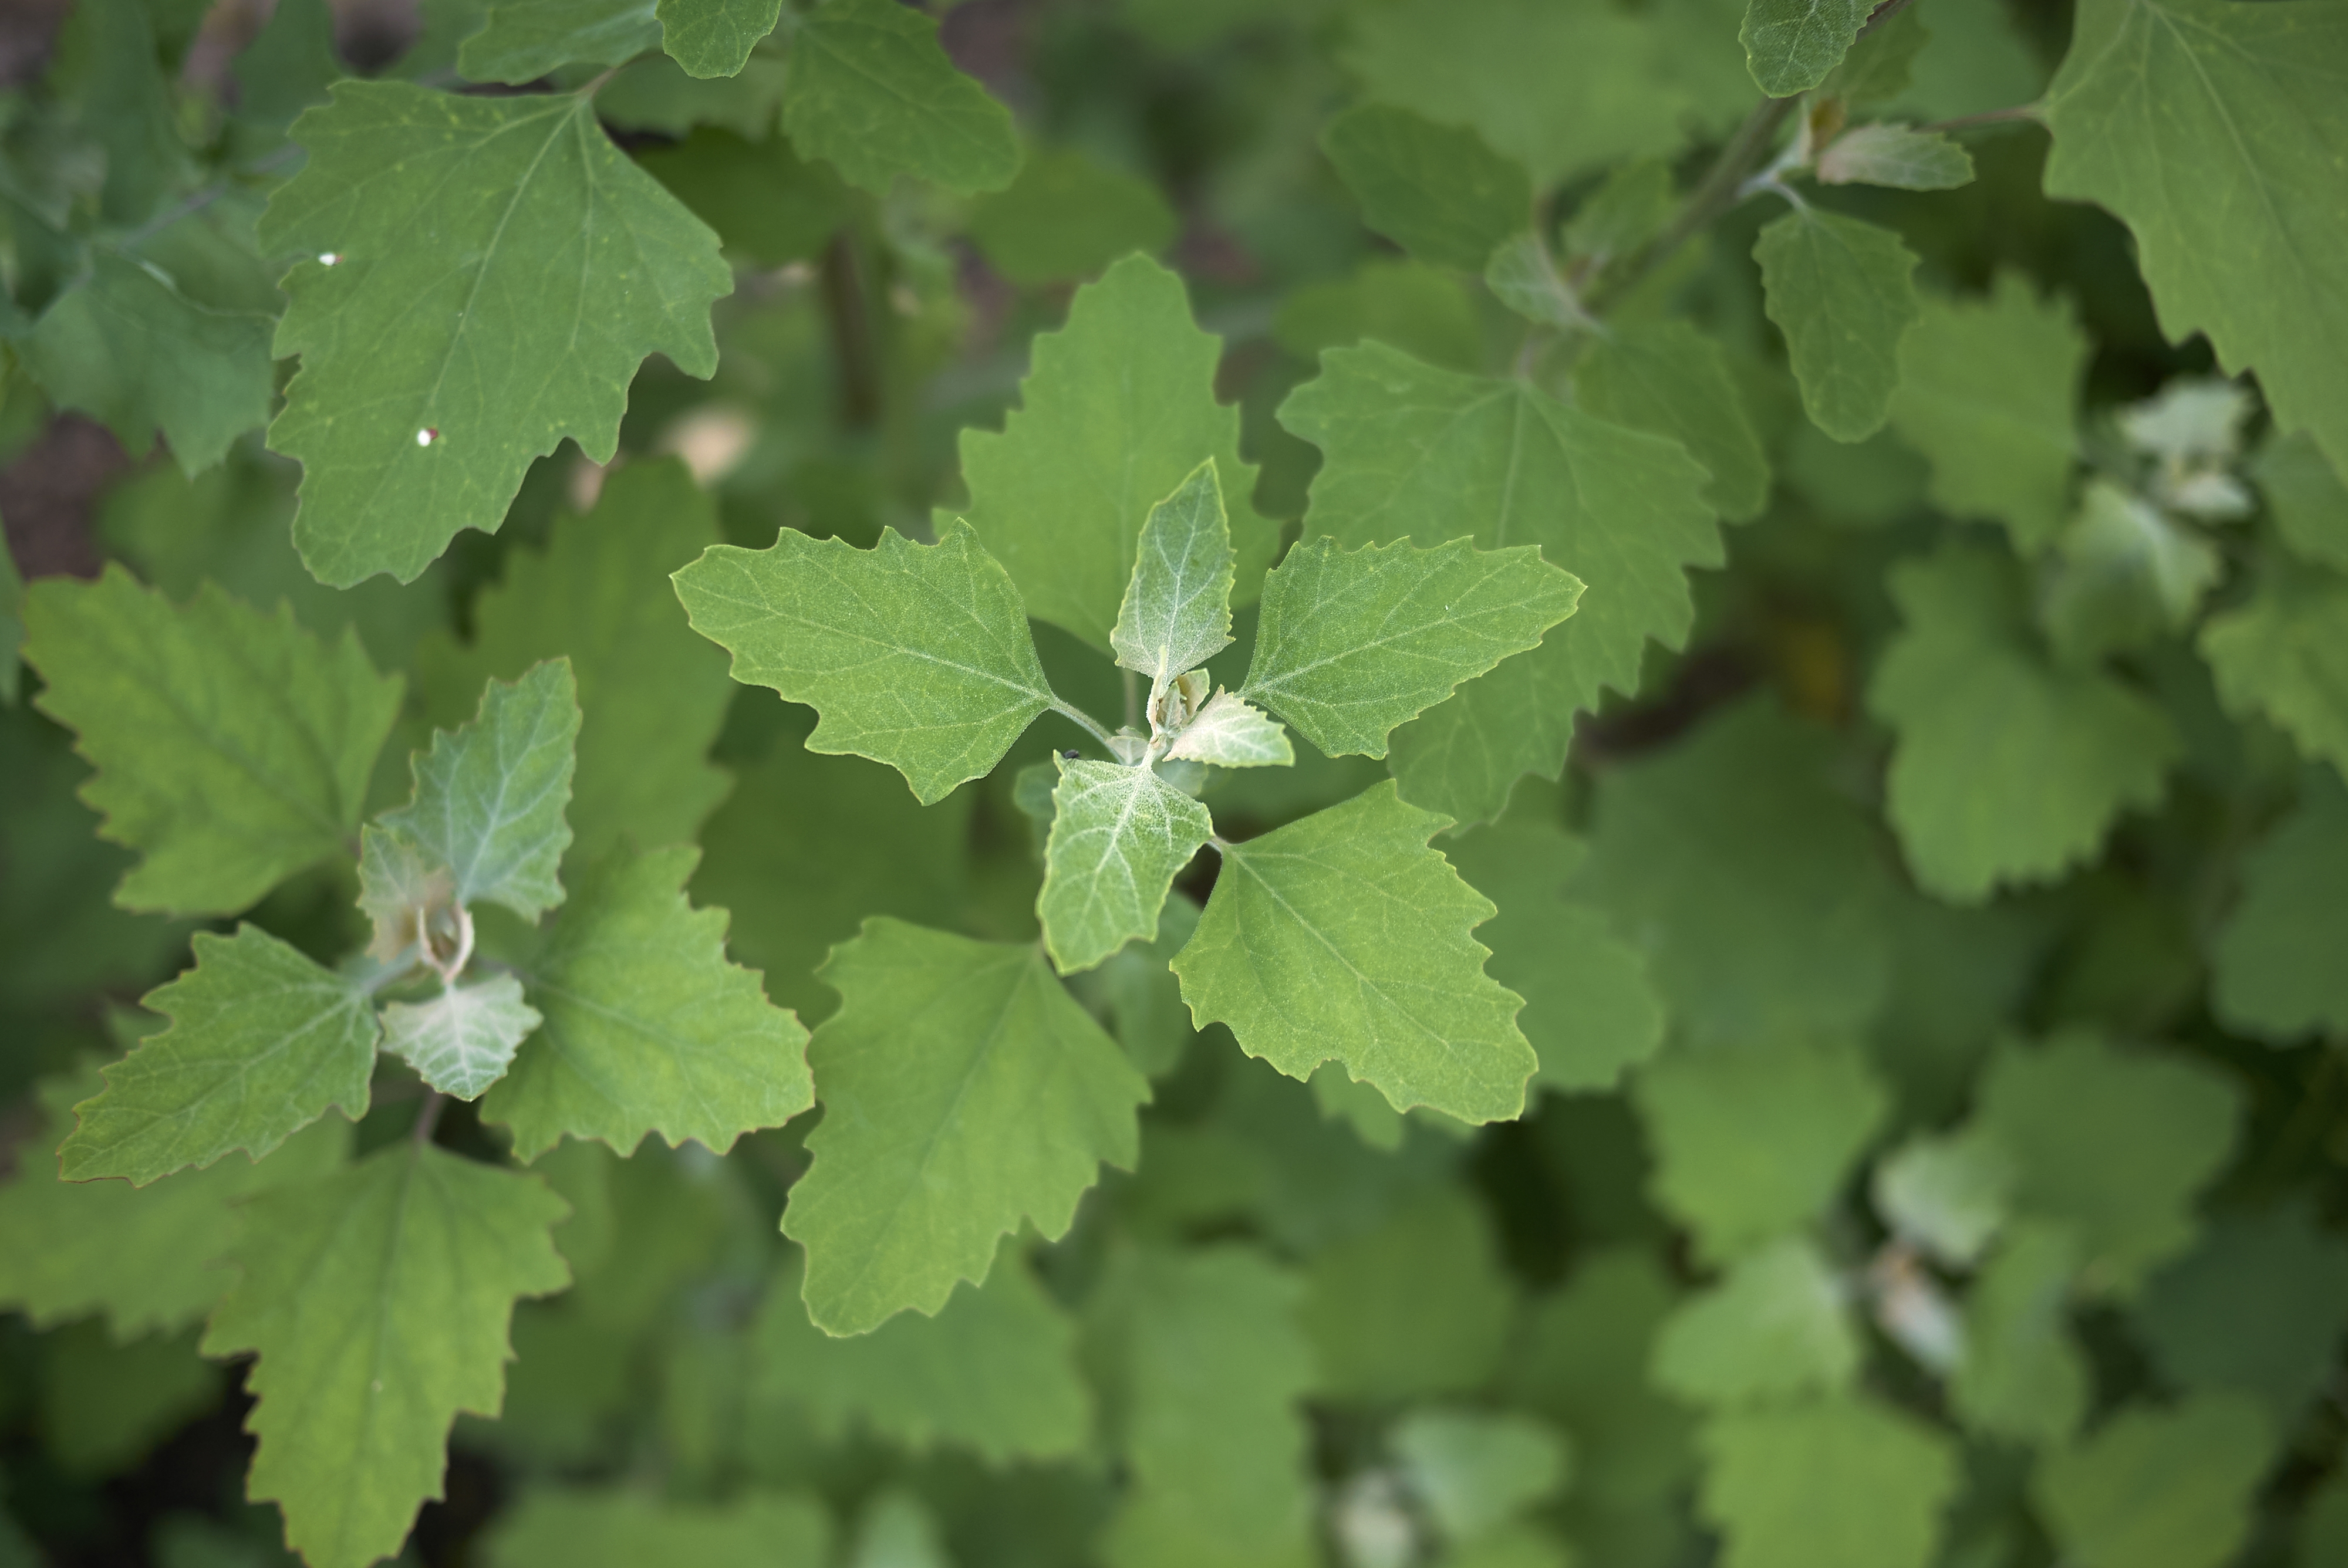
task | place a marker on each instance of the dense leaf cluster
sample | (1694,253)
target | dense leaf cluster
(1467,783)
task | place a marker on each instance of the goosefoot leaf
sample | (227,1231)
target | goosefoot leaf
(522,40)
(871,92)
(378,1301)
(2270,975)
(1829,1483)
(2215,131)
(1437,190)
(262,1042)
(234,748)
(1344,937)
(2280,654)
(647,1028)
(1119,835)
(964,1090)
(490,272)
(1118,406)
(1895,155)
(463,1040)
(1176,612)
(1227,733)
(915,655)
(489,796)
(1790,45)
(1353,643)
(574,1527)
(1844,293)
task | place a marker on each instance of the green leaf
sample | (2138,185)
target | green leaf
(11,626)
(2309,503)
(1751,1143)
(129,349)
(1895,155)
(104,1407)
(872,93)
(1839,1483)
(1523,276)
(1476,1471)
(2258,1307)
(767,205)
(1587,1350)
(1119,834)
(2271,976)
(522,40)
(2114,1144)
(1206,1369)
(1753,888)
(1774,1327)
(652,694)
(1137,995)
(1066,217)
(149,1259)
(647,1028)
(652,93)
(1988,394)
(500,271)
(2159,1488)
(2127,574)
(2006,769)
(1670,379)
(1590,1012)
(1344,937)
(993,1372)
(1353,643)
(1947,1196)
(1176,612)
(233,747)
(1118,408)
(2280,654)
(614,1528)
(1626,211)
(1419,1305)
(377,1300)
(2170,111)
(964,1092)
(489,796)
(1422,309)
(1437,190)
(463,1040)
(262,1042)
(916,655)
(1420,453)
(1227,733)
(1843,293)
(1878,67)
(2024,1378)
(1791,46)
(714,38)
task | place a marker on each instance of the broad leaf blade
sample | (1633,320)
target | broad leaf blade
(915,655)
(608,1527)
(714,38)
(463,1040)
(871,92)
(500,271)
(1790,45)
(522,40)
(1844,294)
(1898,156)
(1830,1484)
(964,1092)
(1119,834)
(1227,733)
(1353,643)
(1669,378)
(232,748)
(1437,190)
(2273,974)
(648,1029)
(262,1042)
(1344,937)
(1118,408)
(2282,654)
(378,1301)
(2215,131)
(1176,612)
(489,796)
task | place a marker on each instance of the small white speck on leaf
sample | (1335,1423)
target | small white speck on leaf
(427,436)
(328,258)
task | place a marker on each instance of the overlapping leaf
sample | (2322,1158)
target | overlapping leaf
(489,274)
(1842,293)
(233,747)
(463,1040)
(1834,1483)
(2271,975)
(1437,190)
(1119,835)
(871,92)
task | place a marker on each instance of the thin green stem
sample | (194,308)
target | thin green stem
(1721,189)
(1091,726)
(429,1117)
(2031,113)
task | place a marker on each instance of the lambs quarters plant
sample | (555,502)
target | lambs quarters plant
(1506,782)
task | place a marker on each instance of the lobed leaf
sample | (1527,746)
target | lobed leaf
(1774,1328)
(463,1040)
(489,796)
(522,40)
(2280,654)
(2159,1487)
(378,1301)
(647,1027)
(1176,612)
(1842,292)
(714,38)
(1227,733)
(1668,378)
(1437,190)
(1792,45)
(1344,937)
(2270,974)
(1831,1483)
(262,1042)
(964,1092)
(871,92)
(1353,643)
(1898,156)
(915,655)
(233,747)
(1119,835)
(490,272)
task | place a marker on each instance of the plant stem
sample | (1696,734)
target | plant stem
(1719,191)
(429,1117)
(1091,727)
(2030,112)
(854,346)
